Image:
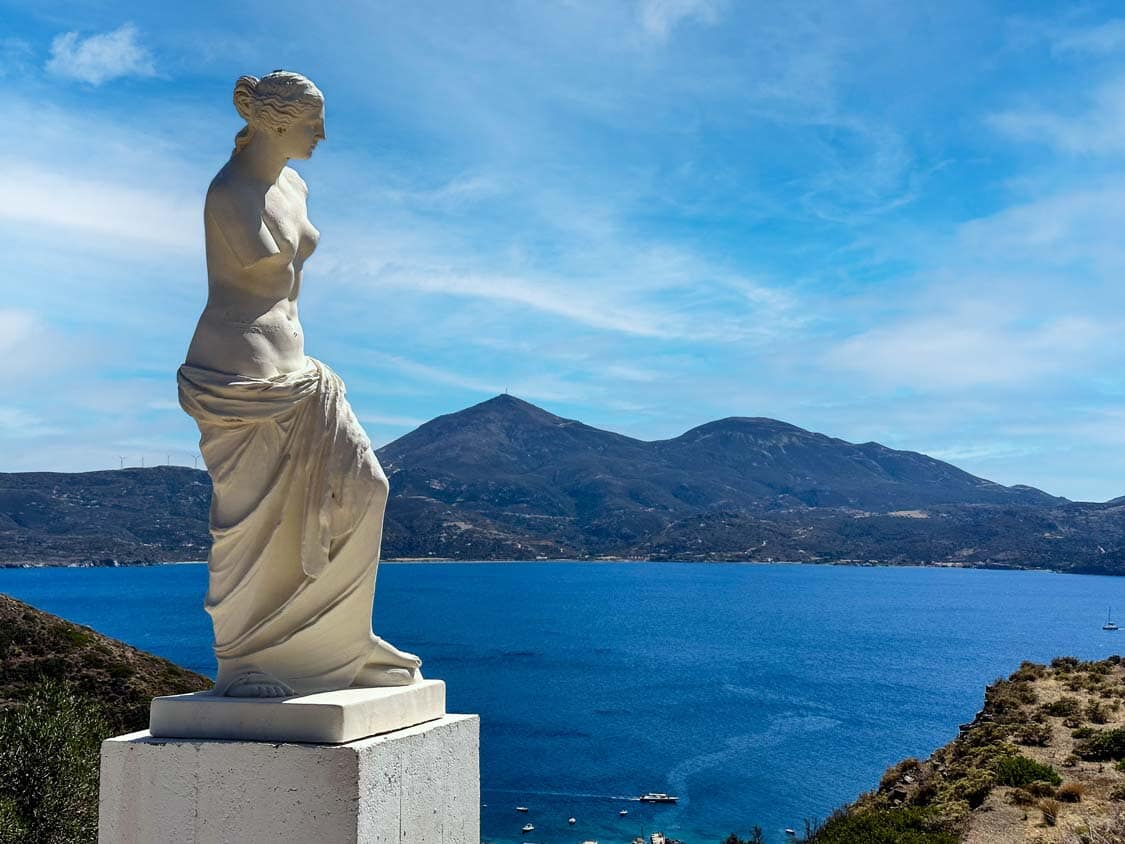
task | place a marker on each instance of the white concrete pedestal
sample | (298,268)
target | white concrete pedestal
(418,785)
(324,718)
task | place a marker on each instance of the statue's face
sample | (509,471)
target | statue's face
(302,136)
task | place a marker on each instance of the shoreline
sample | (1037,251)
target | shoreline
(592,561)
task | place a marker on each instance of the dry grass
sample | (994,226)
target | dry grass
(1051,810)
(1071,792)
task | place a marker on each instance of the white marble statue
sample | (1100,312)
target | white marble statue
(297,513)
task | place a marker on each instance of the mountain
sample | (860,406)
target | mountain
(505,479)
(561,466)
(527,475)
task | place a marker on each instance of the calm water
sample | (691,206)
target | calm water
(757,694)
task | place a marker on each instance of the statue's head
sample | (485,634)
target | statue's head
(286,107)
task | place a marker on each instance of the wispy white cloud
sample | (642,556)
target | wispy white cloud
(1096,126)
(17,423)
(1075,228)
(53,199)
(545,388)
(390,420)
(15,56)
(30,347)
(100,58)
(972,345)
(542,295)
(1100,39)
(659,17)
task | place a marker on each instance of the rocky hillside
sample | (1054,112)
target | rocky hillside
(36,646)
(125,516)
(507,480)
(1042,763)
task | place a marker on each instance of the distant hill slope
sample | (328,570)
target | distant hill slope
(127,515)
(505,479)
(37,646)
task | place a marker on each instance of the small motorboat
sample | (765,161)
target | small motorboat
(521,808)
(622,813)
(790,831)
(572,821)
(527,827)
(657,797)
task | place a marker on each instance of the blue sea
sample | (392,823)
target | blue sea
(758,694)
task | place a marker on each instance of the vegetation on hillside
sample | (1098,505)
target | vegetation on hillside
(1043,762)
(64,689)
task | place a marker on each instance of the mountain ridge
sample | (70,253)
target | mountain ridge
(505,479)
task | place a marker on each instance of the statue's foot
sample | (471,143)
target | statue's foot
(378,676)
(258,684)
(391,655)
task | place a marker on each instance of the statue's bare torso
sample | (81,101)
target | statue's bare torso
(258,238)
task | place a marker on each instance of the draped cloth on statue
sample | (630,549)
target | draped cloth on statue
(296,524)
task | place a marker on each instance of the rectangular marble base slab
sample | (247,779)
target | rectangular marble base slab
(324,718)
(420,785)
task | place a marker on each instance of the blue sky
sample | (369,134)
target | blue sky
(884,221)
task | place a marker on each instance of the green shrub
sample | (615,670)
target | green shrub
(1103,745)
(1029,671)
(49,753)
(1007,698)
(1063,707)
(973,787)
(1041,788)
(1064,664)
(1022,797)
(12,828)
(1032,735)
(1019,771)
(925,793)
(756,837)
(907,825)
(895,773)
(1097,713)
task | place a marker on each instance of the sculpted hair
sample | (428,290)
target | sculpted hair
(272,103)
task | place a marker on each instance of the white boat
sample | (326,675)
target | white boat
(1109,623)
(657,797)
(527,827)
(623,813)
(572,821)
(790,831)
(521,808)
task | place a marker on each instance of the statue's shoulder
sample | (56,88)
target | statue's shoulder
(230,196)
(295,179)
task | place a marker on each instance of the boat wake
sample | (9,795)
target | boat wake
(559,794)
(778,731)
